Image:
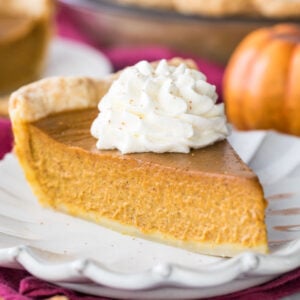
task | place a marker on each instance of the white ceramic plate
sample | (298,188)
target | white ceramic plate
(92,259)
(69,58)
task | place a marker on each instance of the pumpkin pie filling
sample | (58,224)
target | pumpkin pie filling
(206,201)
(182,197)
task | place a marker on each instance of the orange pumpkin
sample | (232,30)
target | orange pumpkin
(262,81)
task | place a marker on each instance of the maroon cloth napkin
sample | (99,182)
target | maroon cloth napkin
(20,285)
(5,137)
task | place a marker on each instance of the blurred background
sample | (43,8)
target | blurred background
(124,31)
(192,27)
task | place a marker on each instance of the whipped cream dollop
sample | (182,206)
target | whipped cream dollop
(159,108)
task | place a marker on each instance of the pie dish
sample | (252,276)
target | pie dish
(207,201)
(25,30)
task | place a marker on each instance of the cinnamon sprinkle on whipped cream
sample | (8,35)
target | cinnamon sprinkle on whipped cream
(160,108)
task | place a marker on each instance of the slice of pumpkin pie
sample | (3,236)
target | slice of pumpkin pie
(153,163)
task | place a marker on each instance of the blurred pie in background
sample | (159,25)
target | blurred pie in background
(278,8)
(210,29)
(269,8)
(25,31)
(215,7)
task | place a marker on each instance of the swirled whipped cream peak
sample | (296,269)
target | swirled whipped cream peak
(159,108)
